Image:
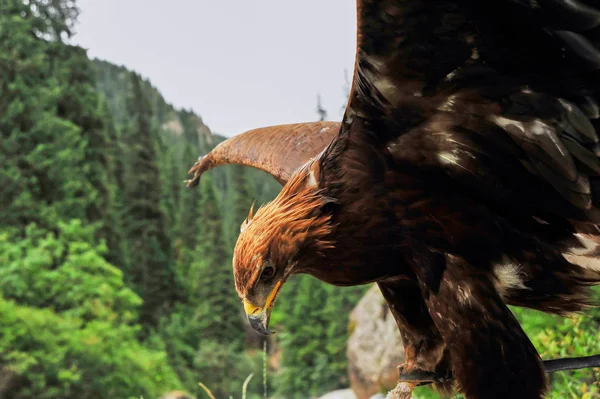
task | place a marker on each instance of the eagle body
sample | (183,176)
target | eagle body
(463,177)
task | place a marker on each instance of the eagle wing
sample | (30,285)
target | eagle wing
(277,150)
(486,112)
(501,96)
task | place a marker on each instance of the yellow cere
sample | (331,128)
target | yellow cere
(250,308)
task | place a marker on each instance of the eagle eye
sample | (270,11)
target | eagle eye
(267,273)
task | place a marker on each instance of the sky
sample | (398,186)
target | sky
(239,64)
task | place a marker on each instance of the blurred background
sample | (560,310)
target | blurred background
(115,280)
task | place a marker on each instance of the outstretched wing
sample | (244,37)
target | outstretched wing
(500,96)
(277,150)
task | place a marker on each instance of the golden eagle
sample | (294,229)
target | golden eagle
(463,177)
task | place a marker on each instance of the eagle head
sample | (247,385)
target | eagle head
(284,237)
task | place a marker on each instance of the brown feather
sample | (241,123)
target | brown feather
(289,226)
(278,150)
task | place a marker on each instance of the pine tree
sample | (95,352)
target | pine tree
(204,336)
(173,171)
(332,366)
(148,244)
(241,201)
(190,199)
(216,288)
(314,317)
(303,336)
(53,20)
(41,150)
(112,229)
(81,104)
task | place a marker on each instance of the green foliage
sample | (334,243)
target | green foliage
(66,272)
(314,320)
(55,131)
(148,244)
(80,103)
(197,222)
(241,201)
(188,232)
(204,335)
(68,320)
(210,279)
(41,179)
(54,356)
(228,366)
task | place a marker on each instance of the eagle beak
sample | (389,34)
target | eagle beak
(259,316)
(260,320)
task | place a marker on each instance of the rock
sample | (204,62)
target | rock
(340,394)
(175,127)
(374,348)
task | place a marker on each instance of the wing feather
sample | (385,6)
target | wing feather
(515,82)
(277,150)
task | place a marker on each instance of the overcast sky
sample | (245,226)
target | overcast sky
(239,64)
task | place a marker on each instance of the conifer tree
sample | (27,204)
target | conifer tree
(41,151)
(216,288)
(82,105)
(332,369)
(314,317)
(172,171)
(241,201)
(303,336)
(148,244)
(112,229)
(190,199)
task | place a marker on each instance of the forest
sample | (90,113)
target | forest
(115,279)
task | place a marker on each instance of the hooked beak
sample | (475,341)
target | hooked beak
(259,316)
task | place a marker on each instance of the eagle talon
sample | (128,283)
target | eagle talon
(419,376)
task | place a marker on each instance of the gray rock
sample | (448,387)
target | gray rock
(374,348)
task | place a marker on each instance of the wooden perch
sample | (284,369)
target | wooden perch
(573,363)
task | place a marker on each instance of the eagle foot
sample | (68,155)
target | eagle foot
(402,391)
(420,377)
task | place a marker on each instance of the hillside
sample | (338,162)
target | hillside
(182,137)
